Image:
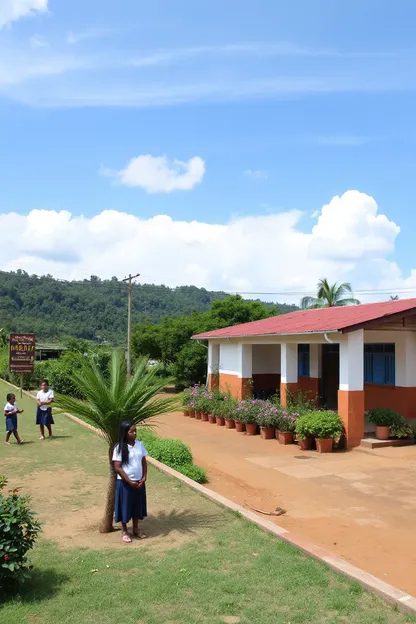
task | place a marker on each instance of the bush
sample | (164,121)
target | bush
(402,430)
(18,532)
(321,424)
(384,417)
(192,472)
(268,415)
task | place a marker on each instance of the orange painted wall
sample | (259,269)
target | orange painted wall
(351,410)
(237,387)
(213,381)
(310,387)
(398,398)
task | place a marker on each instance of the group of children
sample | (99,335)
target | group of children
(44,399)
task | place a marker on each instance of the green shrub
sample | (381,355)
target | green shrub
(401,430)
(224,407)
(193,472)
(18,532)
(384,417)
(322,424)
(171,452)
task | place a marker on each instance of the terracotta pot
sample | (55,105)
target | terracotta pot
(192,414)
(212,419)
(382,433)
(251,430)
(198,415)
(240,427)
(186,413)
(285,437)
(220,421)
(306,444)
(267,433)
(229,423)
(204,417)
(324,446)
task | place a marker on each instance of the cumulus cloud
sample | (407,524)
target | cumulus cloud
(12,10)
(270,253)
(158,174)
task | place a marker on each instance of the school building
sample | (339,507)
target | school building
(350,358)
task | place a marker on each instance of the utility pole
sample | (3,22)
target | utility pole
(129,294)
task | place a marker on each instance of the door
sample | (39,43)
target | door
(330,376)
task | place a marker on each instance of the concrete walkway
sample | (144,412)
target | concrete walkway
(361,505)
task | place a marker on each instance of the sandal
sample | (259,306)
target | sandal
(140,535)
(126,538)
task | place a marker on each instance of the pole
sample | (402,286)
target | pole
(21,385)
(129,306)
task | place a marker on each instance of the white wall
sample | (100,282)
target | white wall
(266,358)
(405,349)
(229,358)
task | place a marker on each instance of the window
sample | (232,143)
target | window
(380,364)
(303,360)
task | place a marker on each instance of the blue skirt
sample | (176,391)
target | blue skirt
(130,502)
(44,417)
(11,423)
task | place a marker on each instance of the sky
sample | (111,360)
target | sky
(251,147)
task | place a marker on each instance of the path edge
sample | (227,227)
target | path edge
(392,595)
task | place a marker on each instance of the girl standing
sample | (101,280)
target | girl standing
(10,412)
(44,398)
(129,460)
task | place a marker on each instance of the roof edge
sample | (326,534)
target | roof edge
(311,333)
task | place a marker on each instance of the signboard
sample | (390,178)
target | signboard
(22,353)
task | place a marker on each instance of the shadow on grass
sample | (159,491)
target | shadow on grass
(42,585)
(184,521)
(60,437)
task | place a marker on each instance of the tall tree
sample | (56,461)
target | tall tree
(112,398)
(329,296)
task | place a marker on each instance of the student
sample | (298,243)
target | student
(44,398)
(10,412)
(130,464)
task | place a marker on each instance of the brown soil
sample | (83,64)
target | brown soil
(359,505)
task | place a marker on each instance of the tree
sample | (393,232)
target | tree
(329,296)
(112,398)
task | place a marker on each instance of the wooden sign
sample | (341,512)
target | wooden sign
(22,353)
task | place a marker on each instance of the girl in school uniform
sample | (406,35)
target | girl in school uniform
(44,399)
(10,412)
(129,460)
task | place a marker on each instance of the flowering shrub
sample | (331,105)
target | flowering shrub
(18,532)
(287,421)
(268,415)
(248,411)
(224,406)
(195,396)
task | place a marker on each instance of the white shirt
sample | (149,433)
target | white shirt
(44,396)
(134,468)
(11,409)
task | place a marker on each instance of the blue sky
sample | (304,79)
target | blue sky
(284,106)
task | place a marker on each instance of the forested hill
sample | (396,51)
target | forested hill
(94,309)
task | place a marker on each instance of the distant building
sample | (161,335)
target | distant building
(49,351)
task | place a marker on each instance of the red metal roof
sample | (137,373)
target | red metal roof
(315,321)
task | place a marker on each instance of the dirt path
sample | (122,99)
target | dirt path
(360,505)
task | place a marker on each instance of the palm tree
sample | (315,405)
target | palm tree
(329,296)
(111,398)
(394,297)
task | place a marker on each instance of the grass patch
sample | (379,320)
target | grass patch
(201,564)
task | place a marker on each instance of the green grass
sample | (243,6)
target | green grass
(200,565)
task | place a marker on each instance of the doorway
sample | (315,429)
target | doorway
(330,375)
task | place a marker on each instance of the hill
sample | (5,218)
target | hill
(94,309)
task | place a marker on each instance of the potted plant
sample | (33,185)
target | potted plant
(285,430)
(206,401)
(186,400)
(401,430)
(304,432)
(247,414)
(383,418)
(267,419)
(326,426)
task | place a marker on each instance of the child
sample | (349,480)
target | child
(44,418)
(10,412)
(129,459)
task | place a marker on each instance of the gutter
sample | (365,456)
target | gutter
(223,337)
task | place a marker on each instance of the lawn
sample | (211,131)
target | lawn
(201,564)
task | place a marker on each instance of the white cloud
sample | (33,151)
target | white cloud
(158,174)
(12,10)
(256,174)
(37,41)
(258,254)
(73,38)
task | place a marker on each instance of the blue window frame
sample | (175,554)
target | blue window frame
(303,360)
(380,364)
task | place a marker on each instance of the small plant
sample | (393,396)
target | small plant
(301,402)
(322,424)
(402,430)
(268,415)
(287,421)
(186,398)
(18,532)
(192,472)
(225,407)
(384,417)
